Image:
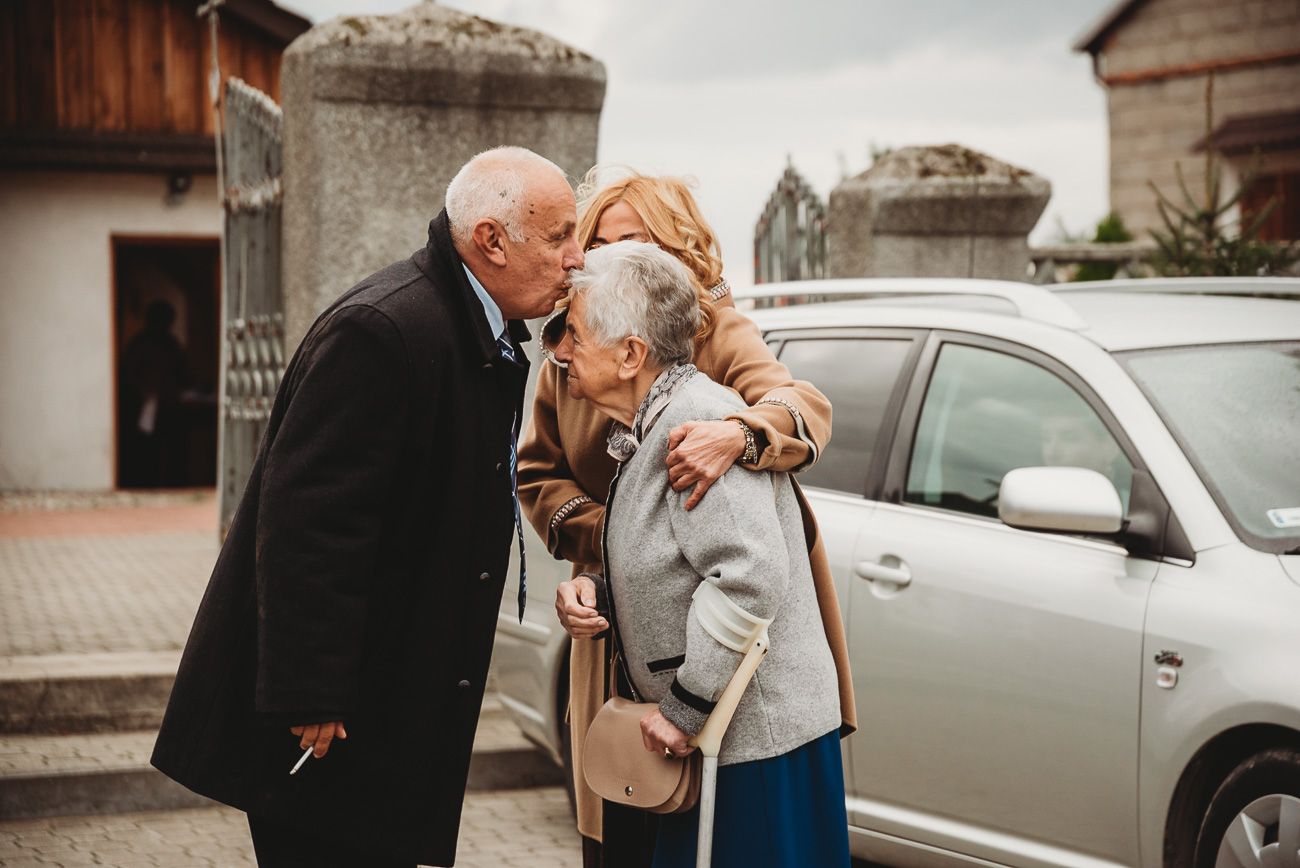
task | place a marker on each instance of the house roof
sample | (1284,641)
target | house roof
(1091,39)
(273,20)
(1241,134)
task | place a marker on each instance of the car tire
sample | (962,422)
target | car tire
(1255,809)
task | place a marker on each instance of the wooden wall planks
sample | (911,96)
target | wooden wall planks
(37,72)
(121,65)
(257,63)
(76,61)
(185,88)
(9,69)
(145,87)
(111,64)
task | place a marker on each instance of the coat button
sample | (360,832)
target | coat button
(464,685)
(483,577)
(500,467)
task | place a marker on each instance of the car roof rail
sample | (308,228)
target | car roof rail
(1263,287)
(1030,301)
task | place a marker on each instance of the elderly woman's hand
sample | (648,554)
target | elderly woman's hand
(658,733)
(575,604)
(700,452)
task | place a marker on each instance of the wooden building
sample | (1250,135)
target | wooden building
(1154,58)
(108,206)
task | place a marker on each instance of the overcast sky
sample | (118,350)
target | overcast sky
(726,90)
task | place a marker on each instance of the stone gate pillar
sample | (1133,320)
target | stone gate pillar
(943,211)
(380,112)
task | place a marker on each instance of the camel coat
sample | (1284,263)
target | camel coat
(563,456)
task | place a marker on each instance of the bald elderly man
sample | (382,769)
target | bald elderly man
(352,609)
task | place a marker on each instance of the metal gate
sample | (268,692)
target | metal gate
(790,238)
(252,342)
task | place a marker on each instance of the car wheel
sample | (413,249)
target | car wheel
(1253,821)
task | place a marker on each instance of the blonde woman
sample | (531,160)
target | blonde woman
(565,469)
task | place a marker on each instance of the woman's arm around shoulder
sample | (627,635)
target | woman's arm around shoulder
(563,515)
(790,418)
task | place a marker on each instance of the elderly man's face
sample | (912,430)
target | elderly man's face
(536,274)
(593,369)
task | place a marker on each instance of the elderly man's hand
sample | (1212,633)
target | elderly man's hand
(319,735)
(658,732)
(700,452)
(575,604)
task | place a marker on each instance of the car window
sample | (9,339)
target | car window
(858,375)
(987,413)
(1235,408)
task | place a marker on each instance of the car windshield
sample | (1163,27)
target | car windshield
(1236,410)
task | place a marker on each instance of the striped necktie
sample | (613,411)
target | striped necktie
(508,352)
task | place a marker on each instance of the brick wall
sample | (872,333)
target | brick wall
(1155,122)
(1168,33)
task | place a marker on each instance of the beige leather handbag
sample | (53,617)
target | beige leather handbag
(619,768)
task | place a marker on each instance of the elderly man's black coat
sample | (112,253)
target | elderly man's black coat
(363,571)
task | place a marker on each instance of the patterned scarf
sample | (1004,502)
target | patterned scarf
(624,441)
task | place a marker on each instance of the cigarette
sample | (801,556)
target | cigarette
(302,759)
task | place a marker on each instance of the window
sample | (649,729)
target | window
(1235,408)
(987,413)
(858,375)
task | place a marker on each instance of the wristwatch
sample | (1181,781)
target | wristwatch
(750,455)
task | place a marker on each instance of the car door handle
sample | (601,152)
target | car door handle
(875,571)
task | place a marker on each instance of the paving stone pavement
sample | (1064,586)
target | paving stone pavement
(531,828)
(113,575)
(85,595)
(102,580)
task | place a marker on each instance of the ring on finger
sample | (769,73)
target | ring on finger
(668,753)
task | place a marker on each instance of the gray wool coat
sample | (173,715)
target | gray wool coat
(747,537)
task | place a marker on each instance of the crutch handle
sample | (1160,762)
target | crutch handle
(709,739)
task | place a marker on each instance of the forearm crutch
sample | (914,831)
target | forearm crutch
(738,630)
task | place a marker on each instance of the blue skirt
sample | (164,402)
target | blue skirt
(783,812)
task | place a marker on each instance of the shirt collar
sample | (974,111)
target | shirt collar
(496,322)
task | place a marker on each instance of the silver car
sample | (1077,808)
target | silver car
(1065,532)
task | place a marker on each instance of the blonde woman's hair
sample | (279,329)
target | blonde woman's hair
(672,217)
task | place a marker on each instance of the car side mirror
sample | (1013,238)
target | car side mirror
(1060,499)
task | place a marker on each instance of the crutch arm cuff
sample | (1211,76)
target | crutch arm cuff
(684,709)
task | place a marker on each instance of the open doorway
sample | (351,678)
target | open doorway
(168,344)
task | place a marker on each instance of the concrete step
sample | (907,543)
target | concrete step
(98,773)
(85,692)
(109,772)
(76,732)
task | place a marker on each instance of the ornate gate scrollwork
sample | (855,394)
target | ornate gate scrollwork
(253,305)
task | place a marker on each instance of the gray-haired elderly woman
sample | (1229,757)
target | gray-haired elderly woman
(631,327)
